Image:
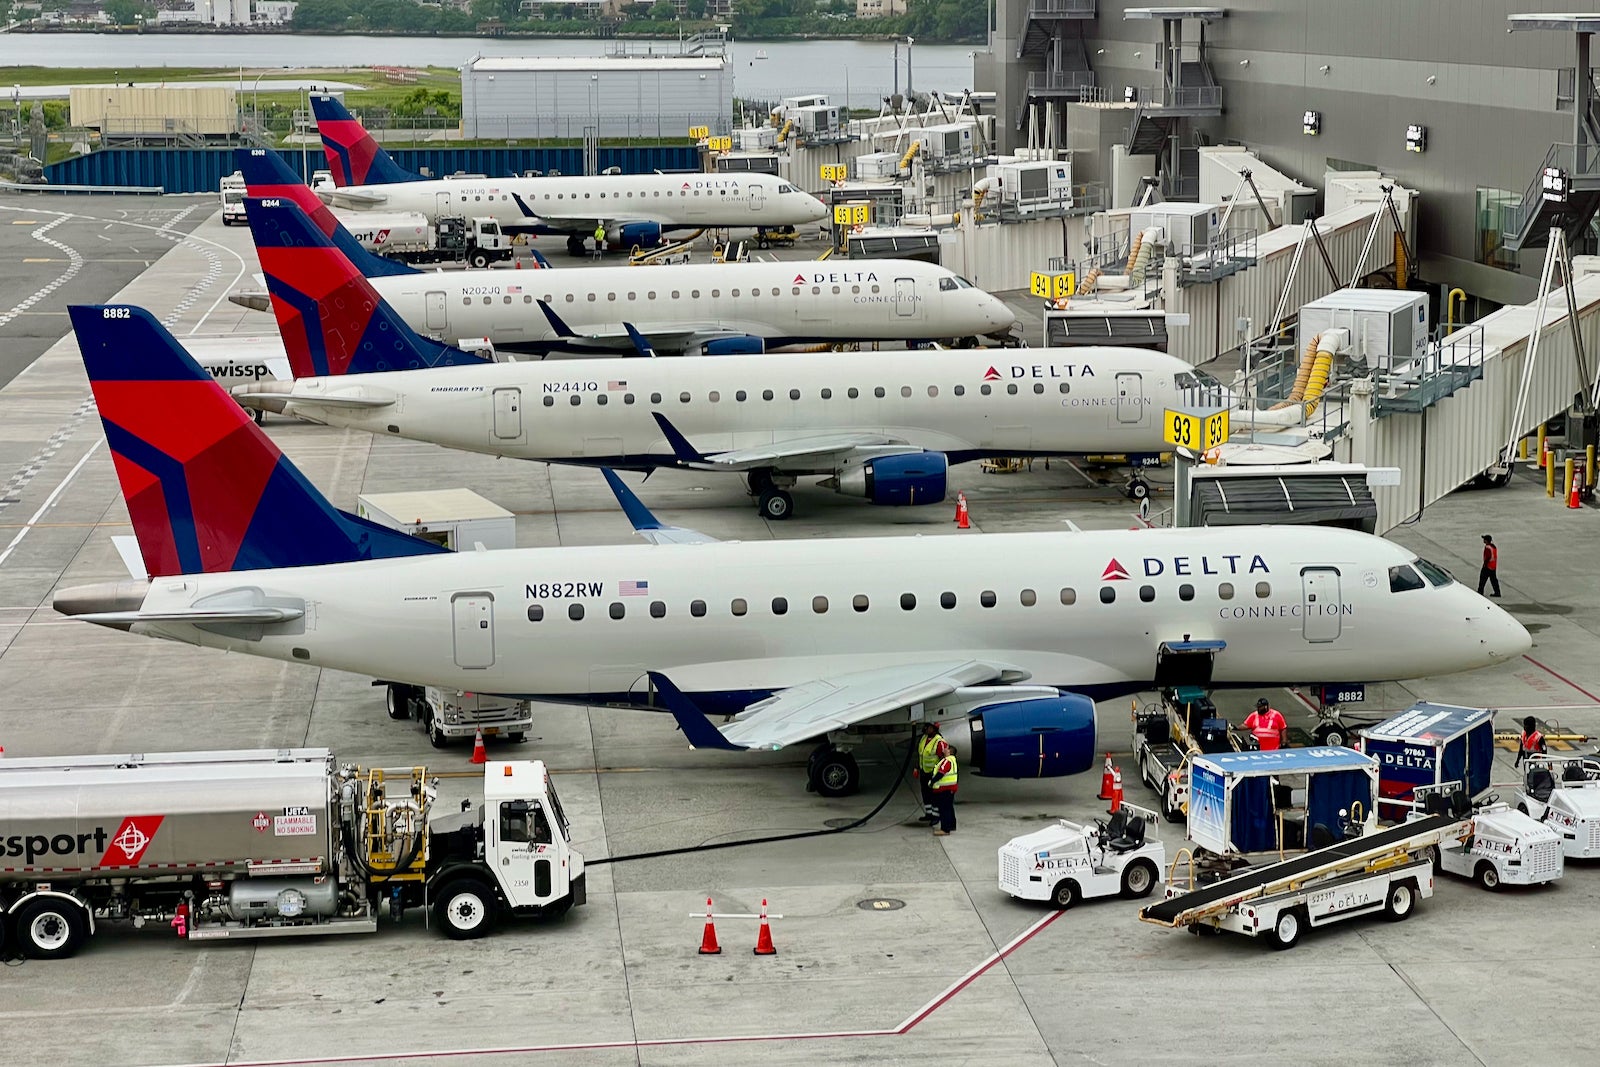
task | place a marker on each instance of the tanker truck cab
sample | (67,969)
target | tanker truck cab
(526,840)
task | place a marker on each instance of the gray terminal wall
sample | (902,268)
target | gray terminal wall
(1489,112)
(615,97)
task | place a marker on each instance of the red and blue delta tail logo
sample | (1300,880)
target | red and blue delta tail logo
(207,491)
(1114,572)
(353,156)
(331,319)
(267,176)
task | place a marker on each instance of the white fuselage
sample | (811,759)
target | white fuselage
(963,402)
(575,204)
(1293,604)
(868,300)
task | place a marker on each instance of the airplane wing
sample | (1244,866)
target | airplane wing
(647,525)
(258,615)
(818,450)
(356,197)
(624,336)
(284,397)
(803,712)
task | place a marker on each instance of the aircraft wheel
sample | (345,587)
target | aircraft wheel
(1331,734)
(758,481)
(259,416)
(574,246)
(1138,489)
(837,774)
(776,505)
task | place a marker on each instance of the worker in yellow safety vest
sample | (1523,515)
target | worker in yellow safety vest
(927,761)
(599,238)
(944,788)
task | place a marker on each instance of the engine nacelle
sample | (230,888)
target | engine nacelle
(897,481)
(734,346)
(632,234)
(1045,737)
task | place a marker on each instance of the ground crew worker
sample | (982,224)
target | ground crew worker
(927,762)
(599,239)
(1531,743)
(1268,725)
(944,788)
(1490,571)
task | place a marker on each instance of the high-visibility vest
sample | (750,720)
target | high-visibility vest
(1267,727)
(928,753)
(944,775)
(1533,742)
(1491,557)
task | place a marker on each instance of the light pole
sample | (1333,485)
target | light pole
(909,42)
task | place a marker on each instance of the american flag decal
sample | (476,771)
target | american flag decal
(513,289)
(616,385)
(640,588)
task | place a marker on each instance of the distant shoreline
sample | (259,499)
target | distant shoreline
(284,30)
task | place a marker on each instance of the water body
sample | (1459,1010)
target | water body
(863,69)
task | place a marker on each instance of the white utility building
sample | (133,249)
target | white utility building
(524,97)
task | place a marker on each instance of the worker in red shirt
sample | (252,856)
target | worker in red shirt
(1490,571)
(1531,743)
(1268,725)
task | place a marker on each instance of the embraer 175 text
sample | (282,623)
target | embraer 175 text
(635,209)
(884,427)
(832,639)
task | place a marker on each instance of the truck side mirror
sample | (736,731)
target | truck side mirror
(466,803)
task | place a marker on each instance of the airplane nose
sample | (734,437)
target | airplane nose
(1000,316)
(1503,637)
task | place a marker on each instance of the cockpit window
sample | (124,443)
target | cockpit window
(947,285)
(785,187)
(1403,579)
(1437,576)
(962,283)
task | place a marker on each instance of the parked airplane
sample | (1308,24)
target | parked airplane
(1013,634)
(885,429)
(712,309)
(635,209)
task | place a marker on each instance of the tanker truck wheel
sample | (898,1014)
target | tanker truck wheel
(50,928)
(466,910)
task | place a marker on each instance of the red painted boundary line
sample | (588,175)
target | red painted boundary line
(1561,678)
(911,1021)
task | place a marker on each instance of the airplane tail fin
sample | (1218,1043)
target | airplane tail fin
(268,177)
(206,489)
(332,320)
(353,156)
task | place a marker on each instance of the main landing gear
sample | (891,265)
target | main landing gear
(832,772)
(769,489)
(575,246)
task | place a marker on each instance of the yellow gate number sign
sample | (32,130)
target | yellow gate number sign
(719,144)
(851,214)
(699,133)
(1052,286)
(1197,432)
(834,172)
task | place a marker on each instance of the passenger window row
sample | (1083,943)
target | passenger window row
(677,294)
(852,393)
(739,606)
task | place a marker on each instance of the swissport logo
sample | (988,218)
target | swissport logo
(992,375)
(128,844)
(380,237)
(1114,572)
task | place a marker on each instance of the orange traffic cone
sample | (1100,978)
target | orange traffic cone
(1106,781)
(1575,493)
(962,522)
(961,505)
(708,939)
(479,753)
(1116,790)
(764,946)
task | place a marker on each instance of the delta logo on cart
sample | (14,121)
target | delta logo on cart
(1114,572)
(128,844)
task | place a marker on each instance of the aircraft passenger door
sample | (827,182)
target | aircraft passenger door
(757,200)
(1321,606)
(443,208)
(1130,398)
(474,629)
(436,314)
(507,414)
(905,298)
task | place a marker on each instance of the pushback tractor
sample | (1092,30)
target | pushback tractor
(269,843)
(1072,861)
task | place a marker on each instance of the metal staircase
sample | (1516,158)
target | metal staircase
(1055,30)
(1188,90)
(1565,194)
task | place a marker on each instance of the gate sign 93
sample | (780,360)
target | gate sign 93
(1199,431)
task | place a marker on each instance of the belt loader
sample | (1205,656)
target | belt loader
(269,843)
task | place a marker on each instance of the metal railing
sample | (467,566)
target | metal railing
(1061,9)
(1059,81)
(1084,198)
(1451,362)
(1224,254)
(1575,160)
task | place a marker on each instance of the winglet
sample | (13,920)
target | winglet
(645,524)
(639,340)
(560,327)
(691,720)
(522,206)
(681,447)
(538,258)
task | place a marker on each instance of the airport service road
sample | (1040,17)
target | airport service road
(961,971)
(60,250)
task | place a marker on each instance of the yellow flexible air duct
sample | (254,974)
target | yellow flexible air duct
(1318,381)
(1298,393)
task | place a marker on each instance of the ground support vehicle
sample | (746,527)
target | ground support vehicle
(1563,792)
(447,715)
(269,843)
(1072,861)
(1186,724)
(233,192)
(776,237)
(412,237)
(1426,745)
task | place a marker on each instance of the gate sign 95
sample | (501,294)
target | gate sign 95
(1197,431)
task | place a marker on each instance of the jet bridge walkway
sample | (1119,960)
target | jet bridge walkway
(1198,904)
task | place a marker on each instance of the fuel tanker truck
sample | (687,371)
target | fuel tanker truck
(269,843)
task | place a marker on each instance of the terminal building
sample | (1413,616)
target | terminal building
(1435,94)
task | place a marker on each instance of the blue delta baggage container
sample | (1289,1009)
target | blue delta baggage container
(1428,744)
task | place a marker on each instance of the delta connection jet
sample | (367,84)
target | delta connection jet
(711,309)
(817,639)
(635,209)
(884,429)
